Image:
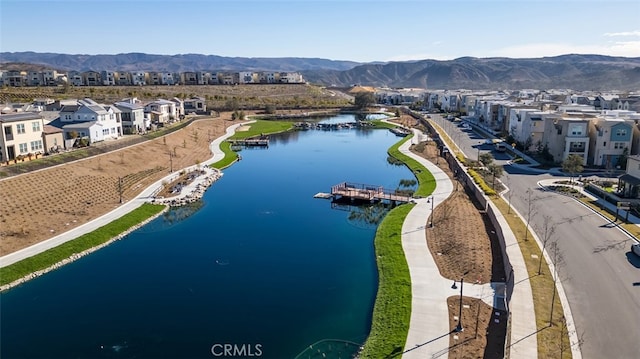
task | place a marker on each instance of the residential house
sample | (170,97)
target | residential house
(564,136)
(245,77)
(82,133)
(290,78)
(89,120)
(195,104)
(226,78)
(123,78)
(132,115)
(108,78)
(267,77)
(629,183)
(21,135)
(161,111)
(15,78)
(604,102)
(75,78)
(179,106)
(52,139)
(34,78)
(139,78)
(189,78)
(610,143)
(91,78)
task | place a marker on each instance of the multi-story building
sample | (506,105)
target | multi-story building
(21,135)
(610,142)
(564,136)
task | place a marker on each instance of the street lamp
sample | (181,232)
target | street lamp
(432,200)
(459,327)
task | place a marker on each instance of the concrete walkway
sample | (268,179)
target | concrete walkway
(145,196)
(428,335)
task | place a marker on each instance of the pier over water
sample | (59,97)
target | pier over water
(367,192)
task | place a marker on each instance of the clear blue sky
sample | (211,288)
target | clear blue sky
(356,30)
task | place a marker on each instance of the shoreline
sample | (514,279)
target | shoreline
(77,256)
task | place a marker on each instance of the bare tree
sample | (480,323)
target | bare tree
(547,229)
(531,210)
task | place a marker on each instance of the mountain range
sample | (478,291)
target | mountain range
(578,72)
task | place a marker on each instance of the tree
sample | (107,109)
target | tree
(486,159)
(364,99)
(572,165)
(547,231)
(495,170)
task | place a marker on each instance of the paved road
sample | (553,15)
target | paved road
(600,276)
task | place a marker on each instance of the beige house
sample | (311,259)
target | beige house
(52,138)
(21,135)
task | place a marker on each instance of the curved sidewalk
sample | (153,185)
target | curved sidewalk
(145,196)
(428,335)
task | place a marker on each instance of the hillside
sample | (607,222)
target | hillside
(579,72)
(175,63)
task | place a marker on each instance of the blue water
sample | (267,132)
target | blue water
(261,265)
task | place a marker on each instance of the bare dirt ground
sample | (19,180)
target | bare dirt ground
(463,242)
(39,205)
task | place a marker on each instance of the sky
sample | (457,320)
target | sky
(353,30)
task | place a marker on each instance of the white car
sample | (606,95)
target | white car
(635,249)
(466,126)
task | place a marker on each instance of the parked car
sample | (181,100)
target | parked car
(635,249)
(500,147)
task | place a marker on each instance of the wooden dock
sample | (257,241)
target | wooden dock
(250,142)
(366,193)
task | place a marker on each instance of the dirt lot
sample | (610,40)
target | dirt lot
(39,205)
(463,243)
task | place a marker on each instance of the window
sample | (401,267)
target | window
(23,148)
(621,132)
(20,128)
(36,145)
(618,145)
(35,126)
(604,144)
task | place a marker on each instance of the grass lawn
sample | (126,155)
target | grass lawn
(553,341)
(263,127)
(392,310)
(427,183)
(256,129)
(101,235)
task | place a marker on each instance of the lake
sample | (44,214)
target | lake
(259,266)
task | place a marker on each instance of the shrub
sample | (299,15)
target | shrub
(477,178)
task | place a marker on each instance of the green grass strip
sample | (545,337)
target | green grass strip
(257,128)
(263,127)
(230,156)
(427,183)
(101,235)
(392,310)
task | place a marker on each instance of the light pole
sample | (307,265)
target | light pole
(170,163)
(431,199)
(459,327)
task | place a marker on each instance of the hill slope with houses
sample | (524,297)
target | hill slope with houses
(579,72)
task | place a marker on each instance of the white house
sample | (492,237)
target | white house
(132,117)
